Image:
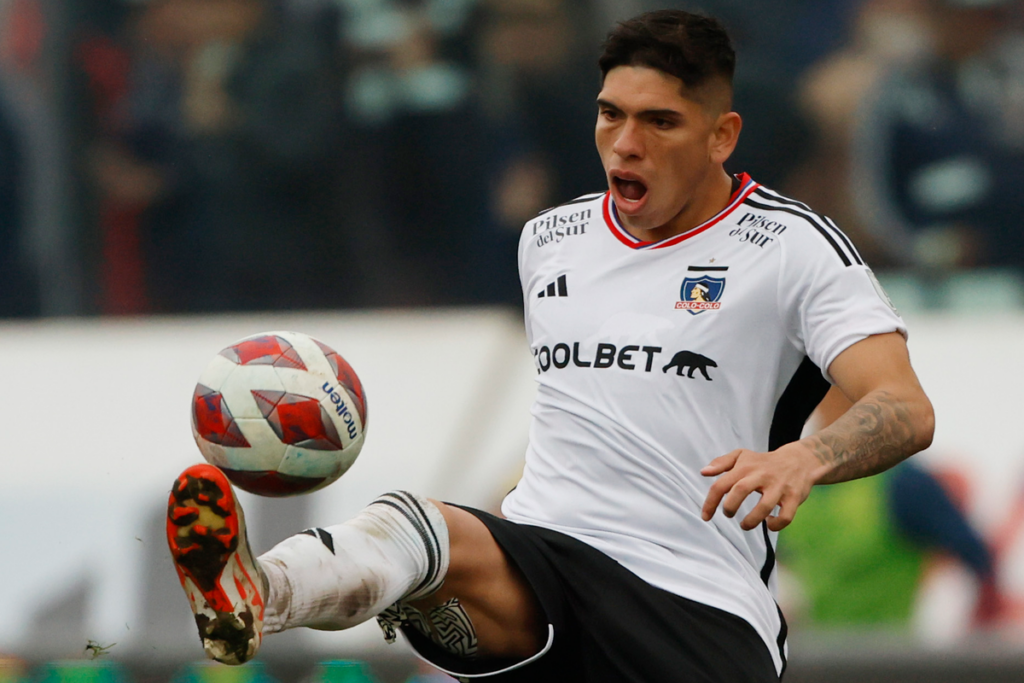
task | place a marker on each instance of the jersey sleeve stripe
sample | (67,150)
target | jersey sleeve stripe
(817,226)
(846,240)
(771,195)
(578,200)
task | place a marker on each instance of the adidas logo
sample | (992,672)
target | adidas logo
(556,288)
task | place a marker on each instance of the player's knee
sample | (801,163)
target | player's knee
(474,552)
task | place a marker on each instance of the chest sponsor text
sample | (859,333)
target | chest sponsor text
(554,229)
(757,230)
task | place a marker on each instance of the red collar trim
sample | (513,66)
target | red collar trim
(611,218)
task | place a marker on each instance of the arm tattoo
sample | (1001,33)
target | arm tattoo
(875,434)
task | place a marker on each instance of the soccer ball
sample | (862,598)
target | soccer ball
(280,413)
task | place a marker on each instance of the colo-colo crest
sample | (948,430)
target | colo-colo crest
(699,294)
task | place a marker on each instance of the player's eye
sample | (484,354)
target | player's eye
(662,123)
(609,114)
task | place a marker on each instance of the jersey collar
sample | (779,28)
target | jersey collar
(611,218)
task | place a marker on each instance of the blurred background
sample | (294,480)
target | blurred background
(177,174)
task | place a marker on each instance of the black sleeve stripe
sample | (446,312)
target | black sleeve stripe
(825,233)
(769,194)
(579,200)
(846,240)
(812,215)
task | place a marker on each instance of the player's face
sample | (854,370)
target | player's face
(662,151)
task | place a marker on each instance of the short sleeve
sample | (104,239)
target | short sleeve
(828,304)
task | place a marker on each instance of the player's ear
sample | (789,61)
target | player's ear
(724,136)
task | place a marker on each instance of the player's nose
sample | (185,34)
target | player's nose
(629,141)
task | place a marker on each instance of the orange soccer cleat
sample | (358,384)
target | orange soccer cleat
(224,584)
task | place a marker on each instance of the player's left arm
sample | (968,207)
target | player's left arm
(891,419)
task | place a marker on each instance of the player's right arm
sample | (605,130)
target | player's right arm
(836,312)
(891,417)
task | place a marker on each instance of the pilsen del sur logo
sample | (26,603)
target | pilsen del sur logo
(701,293)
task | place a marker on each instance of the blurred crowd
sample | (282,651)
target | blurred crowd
(163,156)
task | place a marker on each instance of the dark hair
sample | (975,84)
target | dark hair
(692,47)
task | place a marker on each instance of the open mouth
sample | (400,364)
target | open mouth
(631,190)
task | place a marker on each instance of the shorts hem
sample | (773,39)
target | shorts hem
(504,668)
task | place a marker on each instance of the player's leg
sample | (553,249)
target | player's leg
(501,612)
(400,549)
(406,556)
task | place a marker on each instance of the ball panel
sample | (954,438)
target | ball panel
(217,372)
(347,377)
(298,420)
(212,419)
(213,453)
(239,385)
(267,349)
(273,484)
(338,404)
(302,462)
(266,449)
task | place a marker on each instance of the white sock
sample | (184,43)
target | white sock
(338,576)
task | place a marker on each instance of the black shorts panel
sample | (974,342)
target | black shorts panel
(611,626)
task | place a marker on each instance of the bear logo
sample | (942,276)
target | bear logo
(694,361)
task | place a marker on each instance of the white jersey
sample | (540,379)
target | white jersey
(656,357)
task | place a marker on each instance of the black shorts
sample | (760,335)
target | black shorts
(608,625)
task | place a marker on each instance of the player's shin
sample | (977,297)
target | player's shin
(338,576)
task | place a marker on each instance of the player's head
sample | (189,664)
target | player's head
(665,124)
(694,48)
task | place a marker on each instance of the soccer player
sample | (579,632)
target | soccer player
(639,544)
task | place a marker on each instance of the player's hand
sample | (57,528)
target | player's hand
(783,478)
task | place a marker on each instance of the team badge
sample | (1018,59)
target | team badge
(699,294)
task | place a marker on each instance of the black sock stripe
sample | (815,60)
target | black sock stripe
(418,517)
(433,550)
(431,557)
(824,233)
(812,215)
(323,536)
(411,499)
(326,539)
